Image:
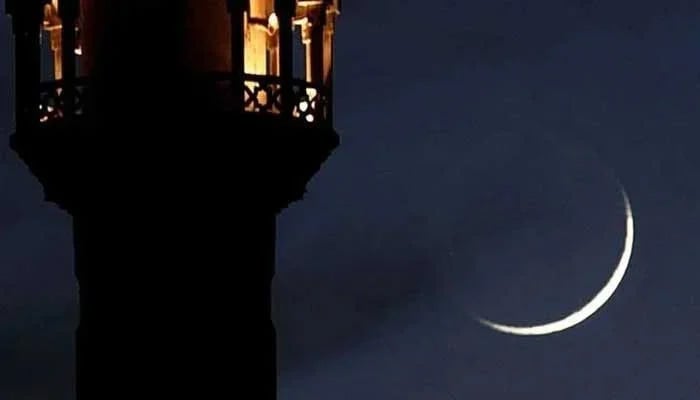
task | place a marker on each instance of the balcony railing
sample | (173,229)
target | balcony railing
(264,94)
(260,94)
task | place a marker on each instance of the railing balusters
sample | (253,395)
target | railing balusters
(262,94)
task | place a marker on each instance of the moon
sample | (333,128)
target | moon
(589,308)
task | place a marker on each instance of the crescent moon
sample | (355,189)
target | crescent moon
(593,305)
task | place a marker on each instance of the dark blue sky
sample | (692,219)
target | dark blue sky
(482,145)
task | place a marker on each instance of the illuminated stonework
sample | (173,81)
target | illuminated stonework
(209,30)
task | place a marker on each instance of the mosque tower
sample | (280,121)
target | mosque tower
(174,132)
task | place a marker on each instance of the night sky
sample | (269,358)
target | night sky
(483,145)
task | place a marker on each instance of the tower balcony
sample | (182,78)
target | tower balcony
(249,125)
(241,84)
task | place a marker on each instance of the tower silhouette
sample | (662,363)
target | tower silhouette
(174,132)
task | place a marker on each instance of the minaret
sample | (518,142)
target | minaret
(174,132)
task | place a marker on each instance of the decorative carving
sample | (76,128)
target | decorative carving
(51,99)
(262,94)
